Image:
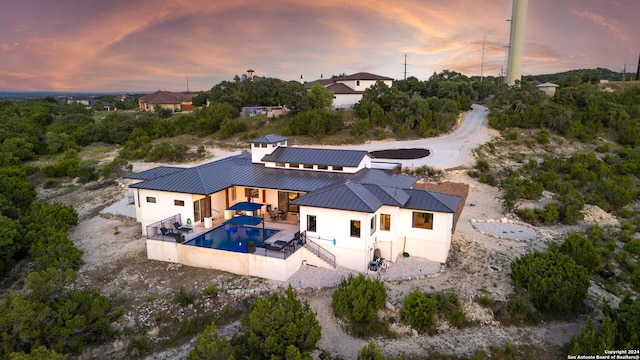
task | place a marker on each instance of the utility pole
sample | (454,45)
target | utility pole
(187,84)
(405,66)
(482,63)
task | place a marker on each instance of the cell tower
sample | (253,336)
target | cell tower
(516,41)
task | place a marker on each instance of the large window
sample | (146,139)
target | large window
(422,220)
(385,222)
(311,223)
(151,199)
(355,228)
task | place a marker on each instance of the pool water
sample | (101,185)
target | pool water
(232,238)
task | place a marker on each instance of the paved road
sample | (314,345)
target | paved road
(447,151)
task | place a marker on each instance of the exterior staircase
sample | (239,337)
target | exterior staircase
(322,253)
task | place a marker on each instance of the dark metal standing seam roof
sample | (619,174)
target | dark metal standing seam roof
(380,177)
(204,179)
(238,170)
(155,173)
(271,138)
(347,196)
(388,195)
(432,201)
(327,157)
(259,176)
(364,191)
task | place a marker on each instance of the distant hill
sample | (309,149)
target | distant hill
(597,74)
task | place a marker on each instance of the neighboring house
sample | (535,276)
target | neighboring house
(548,88)
(348,90)
(269,111)
(89,102)
(334,207)
(176,102)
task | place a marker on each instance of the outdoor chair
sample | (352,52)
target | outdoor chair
(179,227)
(168,232)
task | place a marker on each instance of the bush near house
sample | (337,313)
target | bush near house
(554,281)
(278,327)
(357,301)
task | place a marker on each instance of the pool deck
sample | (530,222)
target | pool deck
(288,229)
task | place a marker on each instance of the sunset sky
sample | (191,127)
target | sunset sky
(147,45)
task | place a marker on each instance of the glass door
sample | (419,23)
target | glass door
(199,210)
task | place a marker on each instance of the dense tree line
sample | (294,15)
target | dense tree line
(582,112)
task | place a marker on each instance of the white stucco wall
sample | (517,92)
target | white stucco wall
(362,85)
(233,262)
(148,213)
(431,244)
(345,101)
(353,253)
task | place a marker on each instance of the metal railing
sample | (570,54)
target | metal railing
(155,230)
(319,251)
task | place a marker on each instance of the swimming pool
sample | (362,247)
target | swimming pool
(232,238)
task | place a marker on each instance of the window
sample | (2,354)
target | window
(151,199)
(311,223)
(357,82)
(294,165)
(251,193)
(178,202)
(372,225)
(308,166)
(355,228)
(422,220)
(279,164)
(323,167)
(337,168)
(385,222)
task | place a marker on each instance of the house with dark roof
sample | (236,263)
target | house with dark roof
(322,207)
(174,101)
(348,90)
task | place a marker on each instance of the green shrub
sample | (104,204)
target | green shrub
(528,215)
(581,250)
(633,246)
(592,339)
(275,324)
(357,300)
(542,137)
(183,297)
(483,165)
(554,281)
(510,135)
(371,351)
(419,311)
(211,346)
(550,215)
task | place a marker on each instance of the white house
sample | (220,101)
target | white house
(548,88)
(348,90)
(330,208)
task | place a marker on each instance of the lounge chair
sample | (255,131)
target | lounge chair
(168,232)
(179,227)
